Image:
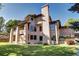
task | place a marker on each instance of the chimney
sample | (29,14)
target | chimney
(45,25)
(45,11)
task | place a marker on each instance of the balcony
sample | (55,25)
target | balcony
(21,32)
(40,22)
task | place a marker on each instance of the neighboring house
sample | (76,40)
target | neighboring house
(39,29)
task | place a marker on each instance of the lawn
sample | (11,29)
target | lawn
(36,50)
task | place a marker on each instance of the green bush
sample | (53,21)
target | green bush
(65,37)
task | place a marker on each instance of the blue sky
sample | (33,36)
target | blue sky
(20,10)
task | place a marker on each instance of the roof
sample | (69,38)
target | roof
(64,27)
(32,15)
(54,22)
(35,16)
(21,24)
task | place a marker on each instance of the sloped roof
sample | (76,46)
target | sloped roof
(32,15)
(21,23)
(36,16)
(54,22)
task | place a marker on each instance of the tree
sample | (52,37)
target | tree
(11,24)
(67,23)
(70,21)
(74,8)
(2,20)
(74,23)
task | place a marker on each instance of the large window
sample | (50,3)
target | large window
(33,37)
(52,27)
(32,26)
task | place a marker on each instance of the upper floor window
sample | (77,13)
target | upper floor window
(31,19)
(32,29)
(52,27)
(40,28)
(32,26)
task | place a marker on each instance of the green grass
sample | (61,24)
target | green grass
(4,43)
(36,50)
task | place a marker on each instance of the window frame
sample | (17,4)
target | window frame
(41,38)
(33,37)
(40,28)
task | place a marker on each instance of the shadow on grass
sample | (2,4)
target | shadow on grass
(24,50)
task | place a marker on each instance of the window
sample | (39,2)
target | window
(31,18)
(41,38)
(28,26)
(31,37)
(53,38)
(35,29)
(40,28)
(52,27)
(35,37)
(32,27)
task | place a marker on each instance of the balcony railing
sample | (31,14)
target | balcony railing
(21,32)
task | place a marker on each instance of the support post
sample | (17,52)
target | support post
(17,35)
(11,36)
(57,34)
(25,34)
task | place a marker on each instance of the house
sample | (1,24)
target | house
(39,29)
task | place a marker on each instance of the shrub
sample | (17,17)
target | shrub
(70,42)
(28,42)
(45,43)
(39,43)
(65,37)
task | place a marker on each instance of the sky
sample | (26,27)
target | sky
(58,11)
